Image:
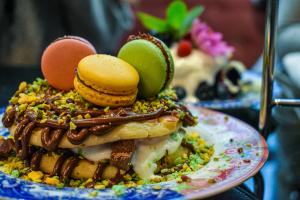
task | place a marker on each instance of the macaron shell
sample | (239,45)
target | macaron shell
(60,60)
(102,99)
(108,74)
(150,63)
(171,66)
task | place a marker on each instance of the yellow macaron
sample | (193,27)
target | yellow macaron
(106,80)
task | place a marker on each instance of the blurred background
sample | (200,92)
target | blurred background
(28,27)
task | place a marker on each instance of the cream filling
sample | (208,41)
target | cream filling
(147,153)
(94,153)
(106,90)
(150,151)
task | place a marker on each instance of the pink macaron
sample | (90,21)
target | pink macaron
(60,60)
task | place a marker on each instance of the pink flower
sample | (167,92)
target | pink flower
(209,41)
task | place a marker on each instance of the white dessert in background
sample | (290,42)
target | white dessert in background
(193,69)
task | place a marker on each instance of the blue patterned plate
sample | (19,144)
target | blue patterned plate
(228,167)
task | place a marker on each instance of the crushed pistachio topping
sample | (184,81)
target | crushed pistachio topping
(45,102)
(72,126)
(165,100)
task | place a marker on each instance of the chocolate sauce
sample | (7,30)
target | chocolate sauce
(68,169)
(99,171)
(93,113)
(118,178)
(100,129)
(53,124)
(59,164)
(189,146)
(188,119)
(9,117)
(45,137)
(6,147)
(31,116)
(50,138)
(90,184)
(77,137)
(116,120)
(18,132)
(98,126)
(36,159)
(26,134)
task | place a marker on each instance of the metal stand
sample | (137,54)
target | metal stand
(268,67)
(267,101)
(259,185)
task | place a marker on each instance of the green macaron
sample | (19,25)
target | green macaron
(153,61)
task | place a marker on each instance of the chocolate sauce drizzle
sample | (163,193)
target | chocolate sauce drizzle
(36,159)
(18,133)
(25,140)
(68,169)
(70,161)
(117,120)
(76,137)
(53,131)
(50,138)
(9,117)
(99,171)
(59,164)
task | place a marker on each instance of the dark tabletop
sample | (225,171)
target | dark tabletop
(10,78)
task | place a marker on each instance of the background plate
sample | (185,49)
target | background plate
(247,100)
(239,154)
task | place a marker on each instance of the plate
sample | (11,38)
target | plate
(239,154)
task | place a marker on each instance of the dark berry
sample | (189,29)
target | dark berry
(222,91)
(180,91)
(205,91)
(233,75)
(219,76)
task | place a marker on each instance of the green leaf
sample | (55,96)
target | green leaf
(190,17)
(152,23)
(176,13)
